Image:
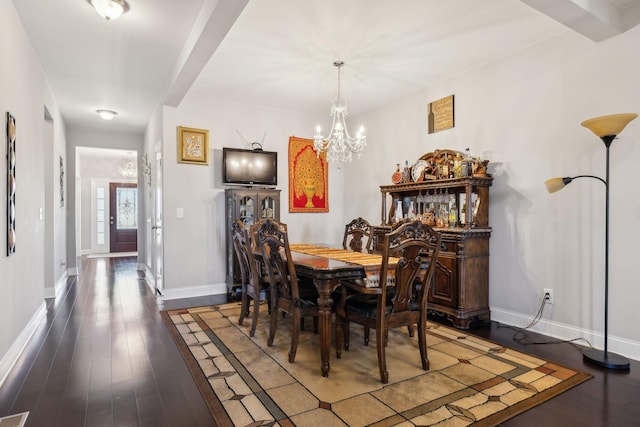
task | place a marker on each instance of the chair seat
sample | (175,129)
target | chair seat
(366,306)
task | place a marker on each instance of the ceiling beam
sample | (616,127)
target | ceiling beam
(595,19)
(212,25)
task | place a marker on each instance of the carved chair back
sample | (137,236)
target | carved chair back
(357,236)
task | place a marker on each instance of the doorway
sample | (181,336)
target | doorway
(123,217)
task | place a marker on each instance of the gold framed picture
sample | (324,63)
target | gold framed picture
(193,146)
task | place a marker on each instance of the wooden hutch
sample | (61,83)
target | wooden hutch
(459,186)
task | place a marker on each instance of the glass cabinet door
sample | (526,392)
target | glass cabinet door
(246,210)
(268,208)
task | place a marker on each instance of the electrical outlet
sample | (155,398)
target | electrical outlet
(548,295)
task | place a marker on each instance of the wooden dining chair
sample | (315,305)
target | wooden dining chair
(293,297)
(254,284)
(357,236)
(399,302)
(354,233)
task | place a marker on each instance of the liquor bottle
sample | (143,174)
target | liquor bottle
(453,212)
(412,210)
(463,214)
(398,215)
(406,173)
(444,168)
(396,177)
(468,160)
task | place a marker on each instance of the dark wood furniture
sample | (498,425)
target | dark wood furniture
(403,302)
(460,291)
(293,297)
(357,235)
(326,274)
(249,205)
(253,284)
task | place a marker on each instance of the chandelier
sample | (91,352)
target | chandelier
(129,170)
(339,145)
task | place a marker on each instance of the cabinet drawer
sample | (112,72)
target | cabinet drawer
(449,246)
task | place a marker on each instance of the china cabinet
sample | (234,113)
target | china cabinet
(458,207)
(249,205)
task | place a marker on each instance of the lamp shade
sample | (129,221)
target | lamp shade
(555,184)
(609,125)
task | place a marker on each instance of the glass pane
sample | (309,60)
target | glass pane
(127,207)
(100,205)
(101,238)
(100,215)
(267,208)
(100,227)
(100,192)
(246,208)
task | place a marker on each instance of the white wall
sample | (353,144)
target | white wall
(194,250)
(26,94)
(523,113)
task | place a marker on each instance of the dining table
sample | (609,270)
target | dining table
(327,267)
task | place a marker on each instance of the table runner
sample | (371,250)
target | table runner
(370,262)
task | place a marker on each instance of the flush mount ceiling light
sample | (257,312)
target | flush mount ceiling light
(106,114)
(110,9)
(339,145)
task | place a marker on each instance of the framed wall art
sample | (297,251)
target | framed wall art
(308,177)
(11,184)
(440,114)
(193,146)
(61,182)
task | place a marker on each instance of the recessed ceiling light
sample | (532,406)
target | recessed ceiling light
(106,114)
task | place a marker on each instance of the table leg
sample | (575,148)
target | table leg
(325,302)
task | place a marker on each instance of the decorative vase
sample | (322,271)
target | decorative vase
(309,190)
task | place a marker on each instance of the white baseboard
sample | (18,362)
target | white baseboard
(16,349)
(194,291)
(622,346)
(149,280)
(73,271)
(52,292)
(85,252)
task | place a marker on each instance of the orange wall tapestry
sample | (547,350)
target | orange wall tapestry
(308,177)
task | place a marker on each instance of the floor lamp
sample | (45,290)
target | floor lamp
(607,128)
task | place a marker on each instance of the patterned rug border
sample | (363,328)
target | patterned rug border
(222,418)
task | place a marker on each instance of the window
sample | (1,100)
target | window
(100,216)
(127,208)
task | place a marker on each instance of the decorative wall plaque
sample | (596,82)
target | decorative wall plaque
(440,114)
(11,184)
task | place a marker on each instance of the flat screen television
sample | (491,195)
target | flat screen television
(249,167)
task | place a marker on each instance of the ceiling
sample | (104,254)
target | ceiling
(279,53)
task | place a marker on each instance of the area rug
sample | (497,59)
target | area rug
(471,381)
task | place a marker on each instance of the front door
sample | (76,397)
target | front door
(123,217)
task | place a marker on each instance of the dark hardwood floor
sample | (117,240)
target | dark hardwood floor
(104,358)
